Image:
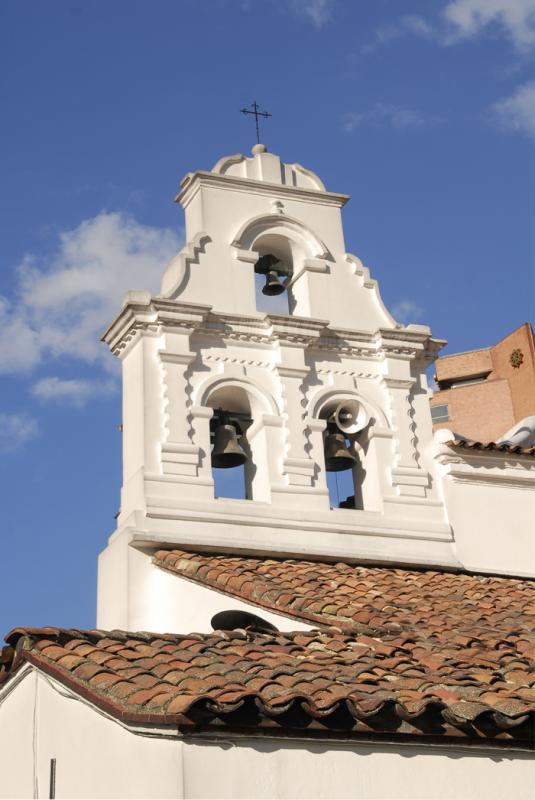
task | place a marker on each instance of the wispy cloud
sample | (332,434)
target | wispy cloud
(383,114)
(517,112)
(64,302)
(72,391)
(16,430)
(466,19)
(469,18)
(408,25)
(317,12)
(407,311)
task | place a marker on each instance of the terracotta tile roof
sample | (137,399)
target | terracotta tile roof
(413,653)
(439,608)
(320,683)
(511,449)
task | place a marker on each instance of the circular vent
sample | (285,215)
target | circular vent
(230,620)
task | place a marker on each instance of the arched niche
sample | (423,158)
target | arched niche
(297,248)
(261,431)
(365,476)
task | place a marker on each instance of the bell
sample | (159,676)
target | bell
(337,455)
(273,287)
(227,451)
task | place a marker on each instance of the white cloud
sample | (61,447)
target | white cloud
(411,24)
(466,19)
(72,391)
(318,12)
(16,430)
(517,112)
(399,117)
(64,302)
(406,311)
(515,17)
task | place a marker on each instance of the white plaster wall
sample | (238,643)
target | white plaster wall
(17,702)
(493,524)
(264,769)
(490,503)
(96,757)
(144,597)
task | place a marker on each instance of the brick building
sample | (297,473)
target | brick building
(483,393)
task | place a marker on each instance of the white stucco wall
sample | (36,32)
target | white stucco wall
(490,501)
(97,757)
(17,704)
(136,595)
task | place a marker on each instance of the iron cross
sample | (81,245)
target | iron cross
(256,113)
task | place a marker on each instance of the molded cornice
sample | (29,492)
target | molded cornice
(193,181)
(142,313)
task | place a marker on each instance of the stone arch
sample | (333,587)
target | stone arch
(263,400)
(282,225)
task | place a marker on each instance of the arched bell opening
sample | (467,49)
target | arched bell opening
(229,455)
(273,270)
(233,467)
(344,468)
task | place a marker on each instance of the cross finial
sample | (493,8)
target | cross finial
(256,113)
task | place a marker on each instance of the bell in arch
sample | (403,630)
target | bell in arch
(266,266)
(227,451)
(337,454)
(273,286)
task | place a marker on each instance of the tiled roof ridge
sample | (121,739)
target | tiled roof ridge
(308,681)
(469,444)
(268,591)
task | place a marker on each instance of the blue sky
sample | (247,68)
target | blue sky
(422,111)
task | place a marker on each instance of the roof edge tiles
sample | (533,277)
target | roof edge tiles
(496,447)
(314,683)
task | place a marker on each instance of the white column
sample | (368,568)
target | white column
(297,465)
(407,476)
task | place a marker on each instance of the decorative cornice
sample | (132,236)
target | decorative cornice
(142,313)
(195,180)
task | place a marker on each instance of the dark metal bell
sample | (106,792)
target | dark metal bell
(337,454)
(273,287)
(227,451)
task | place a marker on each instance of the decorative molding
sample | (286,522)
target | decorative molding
(195,180)
(309,174)
(176,358)
(177,271)
(293,372)
(243,362)
(226,162)
(469,474)
(294,229)
(411,413)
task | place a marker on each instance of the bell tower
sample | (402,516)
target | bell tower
(324,380)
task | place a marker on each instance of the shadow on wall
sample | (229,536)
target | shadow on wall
(274,745)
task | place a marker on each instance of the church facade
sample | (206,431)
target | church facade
(307,593)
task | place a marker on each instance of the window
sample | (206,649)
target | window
(440,413)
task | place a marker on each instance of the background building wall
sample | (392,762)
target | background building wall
(505,395)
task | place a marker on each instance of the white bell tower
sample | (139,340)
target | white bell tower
(202,345)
